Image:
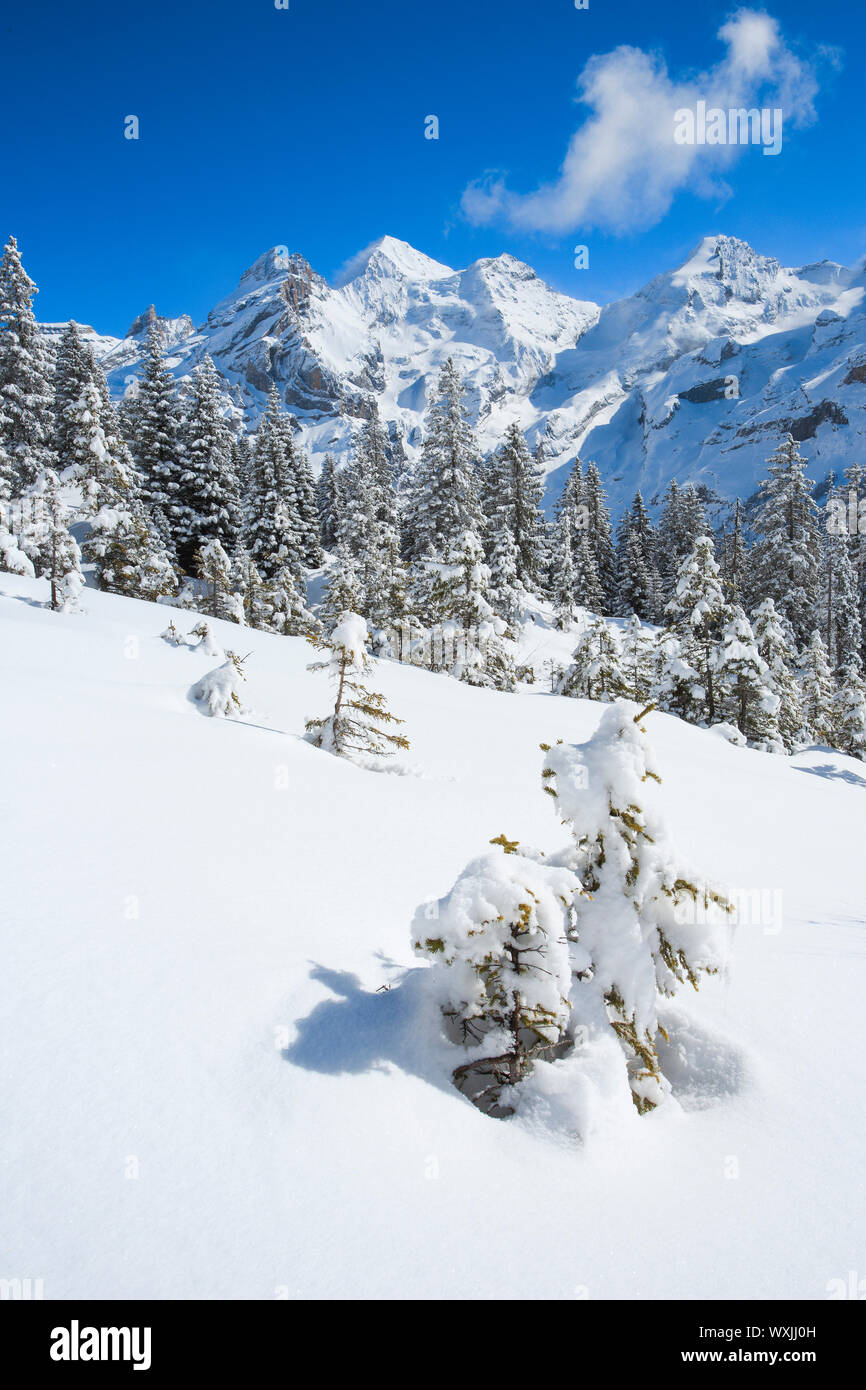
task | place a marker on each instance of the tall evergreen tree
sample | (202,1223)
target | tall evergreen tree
(518,486)
(842,624)
(26,388)
(786,560)
(775,645)
(326,501)
(74,371)
(697,613)
(600,536)
(275,532)
(61,558)
(848,713)
(817,687)
(443,495)
(209,494)
(745,692)
(156,445)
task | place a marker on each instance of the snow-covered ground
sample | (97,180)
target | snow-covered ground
(208,1088)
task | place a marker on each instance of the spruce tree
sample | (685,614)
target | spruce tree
(156,445)
(275,534)
(636,660)
(595,672)
(817,690)
(327,503)
(214,567)
(443,494)
(786,560)
(518,489)
(588,588)
(645,924)
(60,554)
(676,686)
(288,613)
(75,370)
(343,592)
(26,388)
(775,645)
(210,507)
(507,591)
(697,613)
(499,949)
(848,713)
(745,692)
(360,724)
(564,578)
(600,536)
(842,624)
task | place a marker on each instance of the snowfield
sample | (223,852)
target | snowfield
(217,1080)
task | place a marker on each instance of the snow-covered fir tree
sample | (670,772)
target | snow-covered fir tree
(518,488)
(600,536)
(287,608)
(676,685)
(61,558)
(595,672)
(775,645)
(645,923)
(842,625)
(636,660)
(214,567)
(786,559)
(636,569)
(129,556)
(156,445)
(564,580)
(697,612)
(442,501)
(848,713)
(343,592)
(507,593)
(735,561)
(588,587)
(299,493)
(327,502)
(817,689)
(745,693)
(26,387)
(498,943)
(360,725)
(275,530)
(209,491)
(74,371)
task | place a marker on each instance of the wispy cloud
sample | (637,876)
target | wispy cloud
(623,167)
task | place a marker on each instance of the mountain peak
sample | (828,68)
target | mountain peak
(387,254)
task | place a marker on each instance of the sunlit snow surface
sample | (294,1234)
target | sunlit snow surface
(210,1090)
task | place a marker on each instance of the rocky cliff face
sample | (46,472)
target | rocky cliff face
(695,376)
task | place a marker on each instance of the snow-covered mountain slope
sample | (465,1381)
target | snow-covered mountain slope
(695,376)
(208,1088)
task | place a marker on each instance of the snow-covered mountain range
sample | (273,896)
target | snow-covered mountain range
(695,376)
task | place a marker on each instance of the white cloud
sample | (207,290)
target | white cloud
(623,167)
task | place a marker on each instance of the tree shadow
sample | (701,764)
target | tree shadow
(362,1030)
(834,774)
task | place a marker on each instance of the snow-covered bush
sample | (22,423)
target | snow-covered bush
(218,691)
(499,945)
(205,641)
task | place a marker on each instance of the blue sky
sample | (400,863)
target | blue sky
(305,127)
